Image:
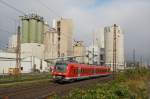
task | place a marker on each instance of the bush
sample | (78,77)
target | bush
(111,90)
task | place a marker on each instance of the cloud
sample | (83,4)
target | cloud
(132,16)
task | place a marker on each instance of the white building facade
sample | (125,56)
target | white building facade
(12,41)
(64,29)
(29,64)
(50,44)
(79,50)
(93,53)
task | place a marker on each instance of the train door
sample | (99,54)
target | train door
(79,71)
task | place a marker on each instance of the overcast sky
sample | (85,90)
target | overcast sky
(88,15)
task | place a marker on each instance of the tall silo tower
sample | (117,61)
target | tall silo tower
(64,28)
(108,43)
(25,29)
(32,35)
(50,44)
(32,29)
(120,47)
(40,30)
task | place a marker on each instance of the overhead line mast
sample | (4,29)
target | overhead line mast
(134,58)
(93,49)
(114,51)
(18,50)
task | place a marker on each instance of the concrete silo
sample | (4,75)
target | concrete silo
(120,47)
(65,37)
(40,27)
(33,29)
(50,44)
(32,35)
(25,30)
(108,43)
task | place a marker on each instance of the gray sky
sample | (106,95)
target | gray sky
(88,15)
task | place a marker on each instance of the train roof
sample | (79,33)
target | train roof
(88,65)
(81,64)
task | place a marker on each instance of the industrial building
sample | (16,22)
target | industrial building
(12,43)
(79,50)
(95,55)
(32,47)
(29,64)
(99,45)
(64,28)
(27,49)
(32,35)
(38,39)
(50,44)
(109,46)
(99,38)
(39,42)
(95,51)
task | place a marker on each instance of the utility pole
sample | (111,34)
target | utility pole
(59,37)
(99,50)
(147,63)
(141,61)
(134,58)
(18,50)
(88,56)
(93,49)
(114,51)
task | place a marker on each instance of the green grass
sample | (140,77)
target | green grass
(24,78)
(24,83)
(102,91)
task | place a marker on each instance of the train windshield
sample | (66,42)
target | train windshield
(60,67)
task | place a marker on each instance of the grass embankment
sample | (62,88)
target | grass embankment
(6,81)
(130,84)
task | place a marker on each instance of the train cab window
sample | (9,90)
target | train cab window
(60,67)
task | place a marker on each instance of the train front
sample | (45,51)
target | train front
(59,71)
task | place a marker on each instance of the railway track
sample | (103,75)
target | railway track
(47,90)
(25,91)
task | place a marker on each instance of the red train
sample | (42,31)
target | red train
(70,71)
